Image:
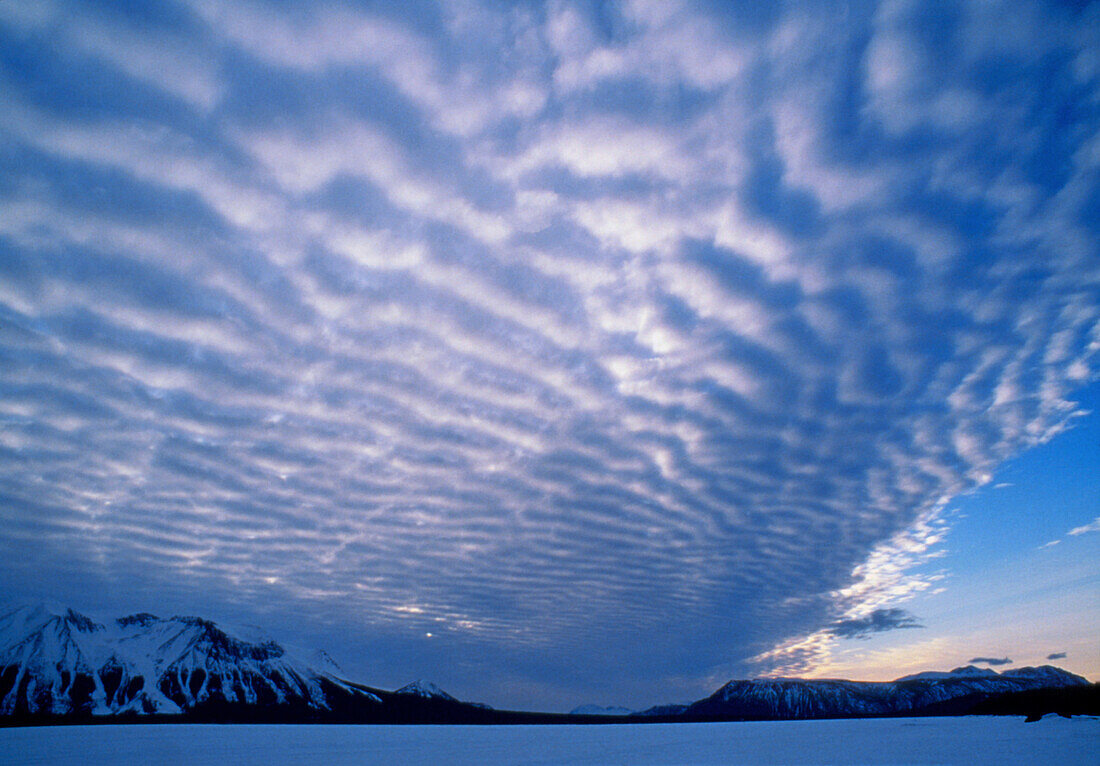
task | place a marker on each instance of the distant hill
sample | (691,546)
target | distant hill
(922,694)
(600,710)
(425,690)
(58,666)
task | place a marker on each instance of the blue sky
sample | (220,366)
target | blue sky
(559,352)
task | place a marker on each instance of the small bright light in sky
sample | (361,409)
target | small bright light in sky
(639,345)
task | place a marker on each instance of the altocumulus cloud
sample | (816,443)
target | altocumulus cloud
(561,330)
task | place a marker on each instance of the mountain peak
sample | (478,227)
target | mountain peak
(41,612)
(968,671)
(81,623)
(144,664)
(422,688)
(144,619)
(973,670)
(1047,673)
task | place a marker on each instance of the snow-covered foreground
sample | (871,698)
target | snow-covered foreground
(902,741)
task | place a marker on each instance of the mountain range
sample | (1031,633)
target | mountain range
(796,698)
(57,665)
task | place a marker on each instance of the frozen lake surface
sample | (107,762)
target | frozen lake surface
(898,741)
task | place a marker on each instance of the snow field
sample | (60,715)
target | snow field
(975,740)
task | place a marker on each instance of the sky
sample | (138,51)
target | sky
(559,352)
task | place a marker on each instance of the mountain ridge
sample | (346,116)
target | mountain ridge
(787,698)
(57,666)
(60,661)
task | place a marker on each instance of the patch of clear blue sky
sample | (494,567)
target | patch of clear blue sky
(1005,592)
(1033,499)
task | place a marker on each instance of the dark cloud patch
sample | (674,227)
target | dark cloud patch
(994,661)
(1056,656)
(878,621)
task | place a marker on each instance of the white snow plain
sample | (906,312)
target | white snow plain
(973,740)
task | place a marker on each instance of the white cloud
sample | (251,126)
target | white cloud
(1092,526)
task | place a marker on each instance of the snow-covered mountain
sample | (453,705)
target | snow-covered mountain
(425,689)
(788,698)
(56,661)
(970,670)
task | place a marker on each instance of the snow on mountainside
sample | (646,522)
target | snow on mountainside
(426,689)
(56,661)
(1044,675)
(789,698)
(969,670)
